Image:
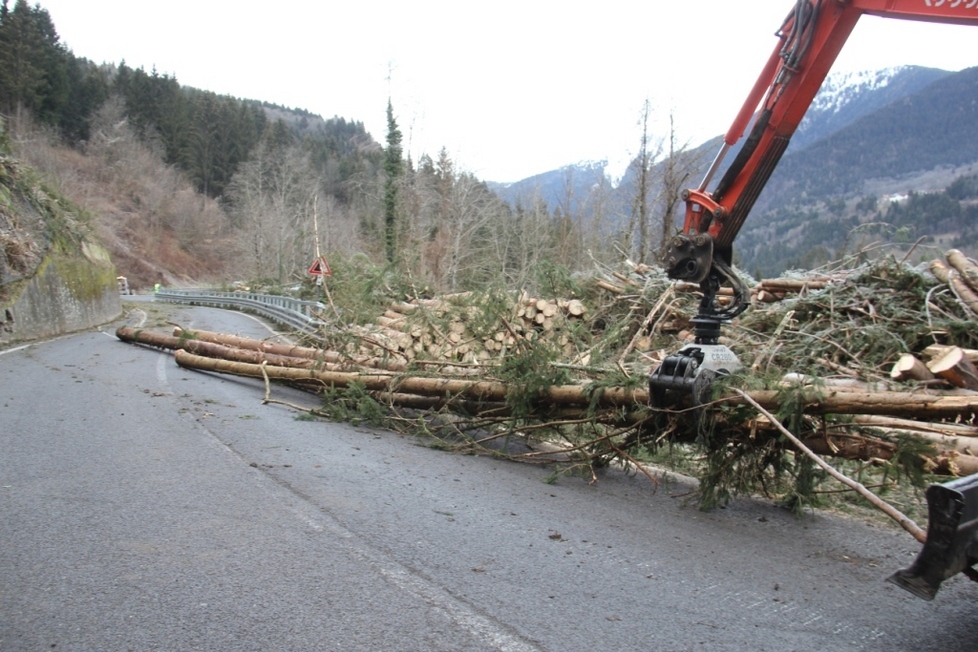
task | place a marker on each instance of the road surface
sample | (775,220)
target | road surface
(147,507)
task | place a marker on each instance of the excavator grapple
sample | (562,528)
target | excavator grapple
(952,538)
(809,41)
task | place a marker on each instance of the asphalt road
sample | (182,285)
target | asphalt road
(146,507)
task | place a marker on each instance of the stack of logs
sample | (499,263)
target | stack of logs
(948,363)
(766,291)
(443,329)
(392,359)
(952,364)
(392,382)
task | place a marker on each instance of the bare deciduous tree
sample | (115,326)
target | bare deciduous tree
(675,172)
(641,215)
(272,198)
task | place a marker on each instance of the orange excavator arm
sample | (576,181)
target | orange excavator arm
(809,41)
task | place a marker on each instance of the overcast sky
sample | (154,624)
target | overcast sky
(509,88)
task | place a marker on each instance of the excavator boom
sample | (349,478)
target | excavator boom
(809,41)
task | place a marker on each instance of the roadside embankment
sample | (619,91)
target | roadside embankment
(68,292)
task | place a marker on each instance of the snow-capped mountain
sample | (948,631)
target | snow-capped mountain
(843,99)
(847,96)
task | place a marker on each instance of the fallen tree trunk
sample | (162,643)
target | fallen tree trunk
(957,283)
(946,429)
(480,390)
(214,350)
(902,404)
(289,350)
(898,404)
(967,269)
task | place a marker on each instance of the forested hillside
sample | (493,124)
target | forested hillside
(846,97)
(897,175)
(935,127)
(204,134)
(189,186)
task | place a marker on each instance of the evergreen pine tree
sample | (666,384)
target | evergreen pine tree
(393,168)
(53,63)
(88,90)
(33,63)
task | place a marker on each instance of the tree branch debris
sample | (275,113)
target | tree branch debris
(870,364)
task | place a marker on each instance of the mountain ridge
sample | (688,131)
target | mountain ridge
(843,98)
(897,130)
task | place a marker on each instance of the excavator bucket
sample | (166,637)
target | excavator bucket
(952,538)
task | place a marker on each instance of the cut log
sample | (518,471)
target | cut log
(953,463)
(288,350)
(940,270)
(968,296)
(388,322)
(956,281)
(610,287)
(908,367)
(791,285)
(248,343)
(965,267)
(937,350)
(835,384)
(766,296)
(404,307)
(898,404)
(956,368)
(941,428)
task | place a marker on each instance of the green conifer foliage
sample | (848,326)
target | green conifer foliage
(393,168)
(33,63)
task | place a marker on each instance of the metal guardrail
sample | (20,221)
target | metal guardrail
(299,315)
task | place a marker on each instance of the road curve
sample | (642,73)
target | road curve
(147,507)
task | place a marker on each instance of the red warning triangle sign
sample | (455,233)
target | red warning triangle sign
(320,267)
